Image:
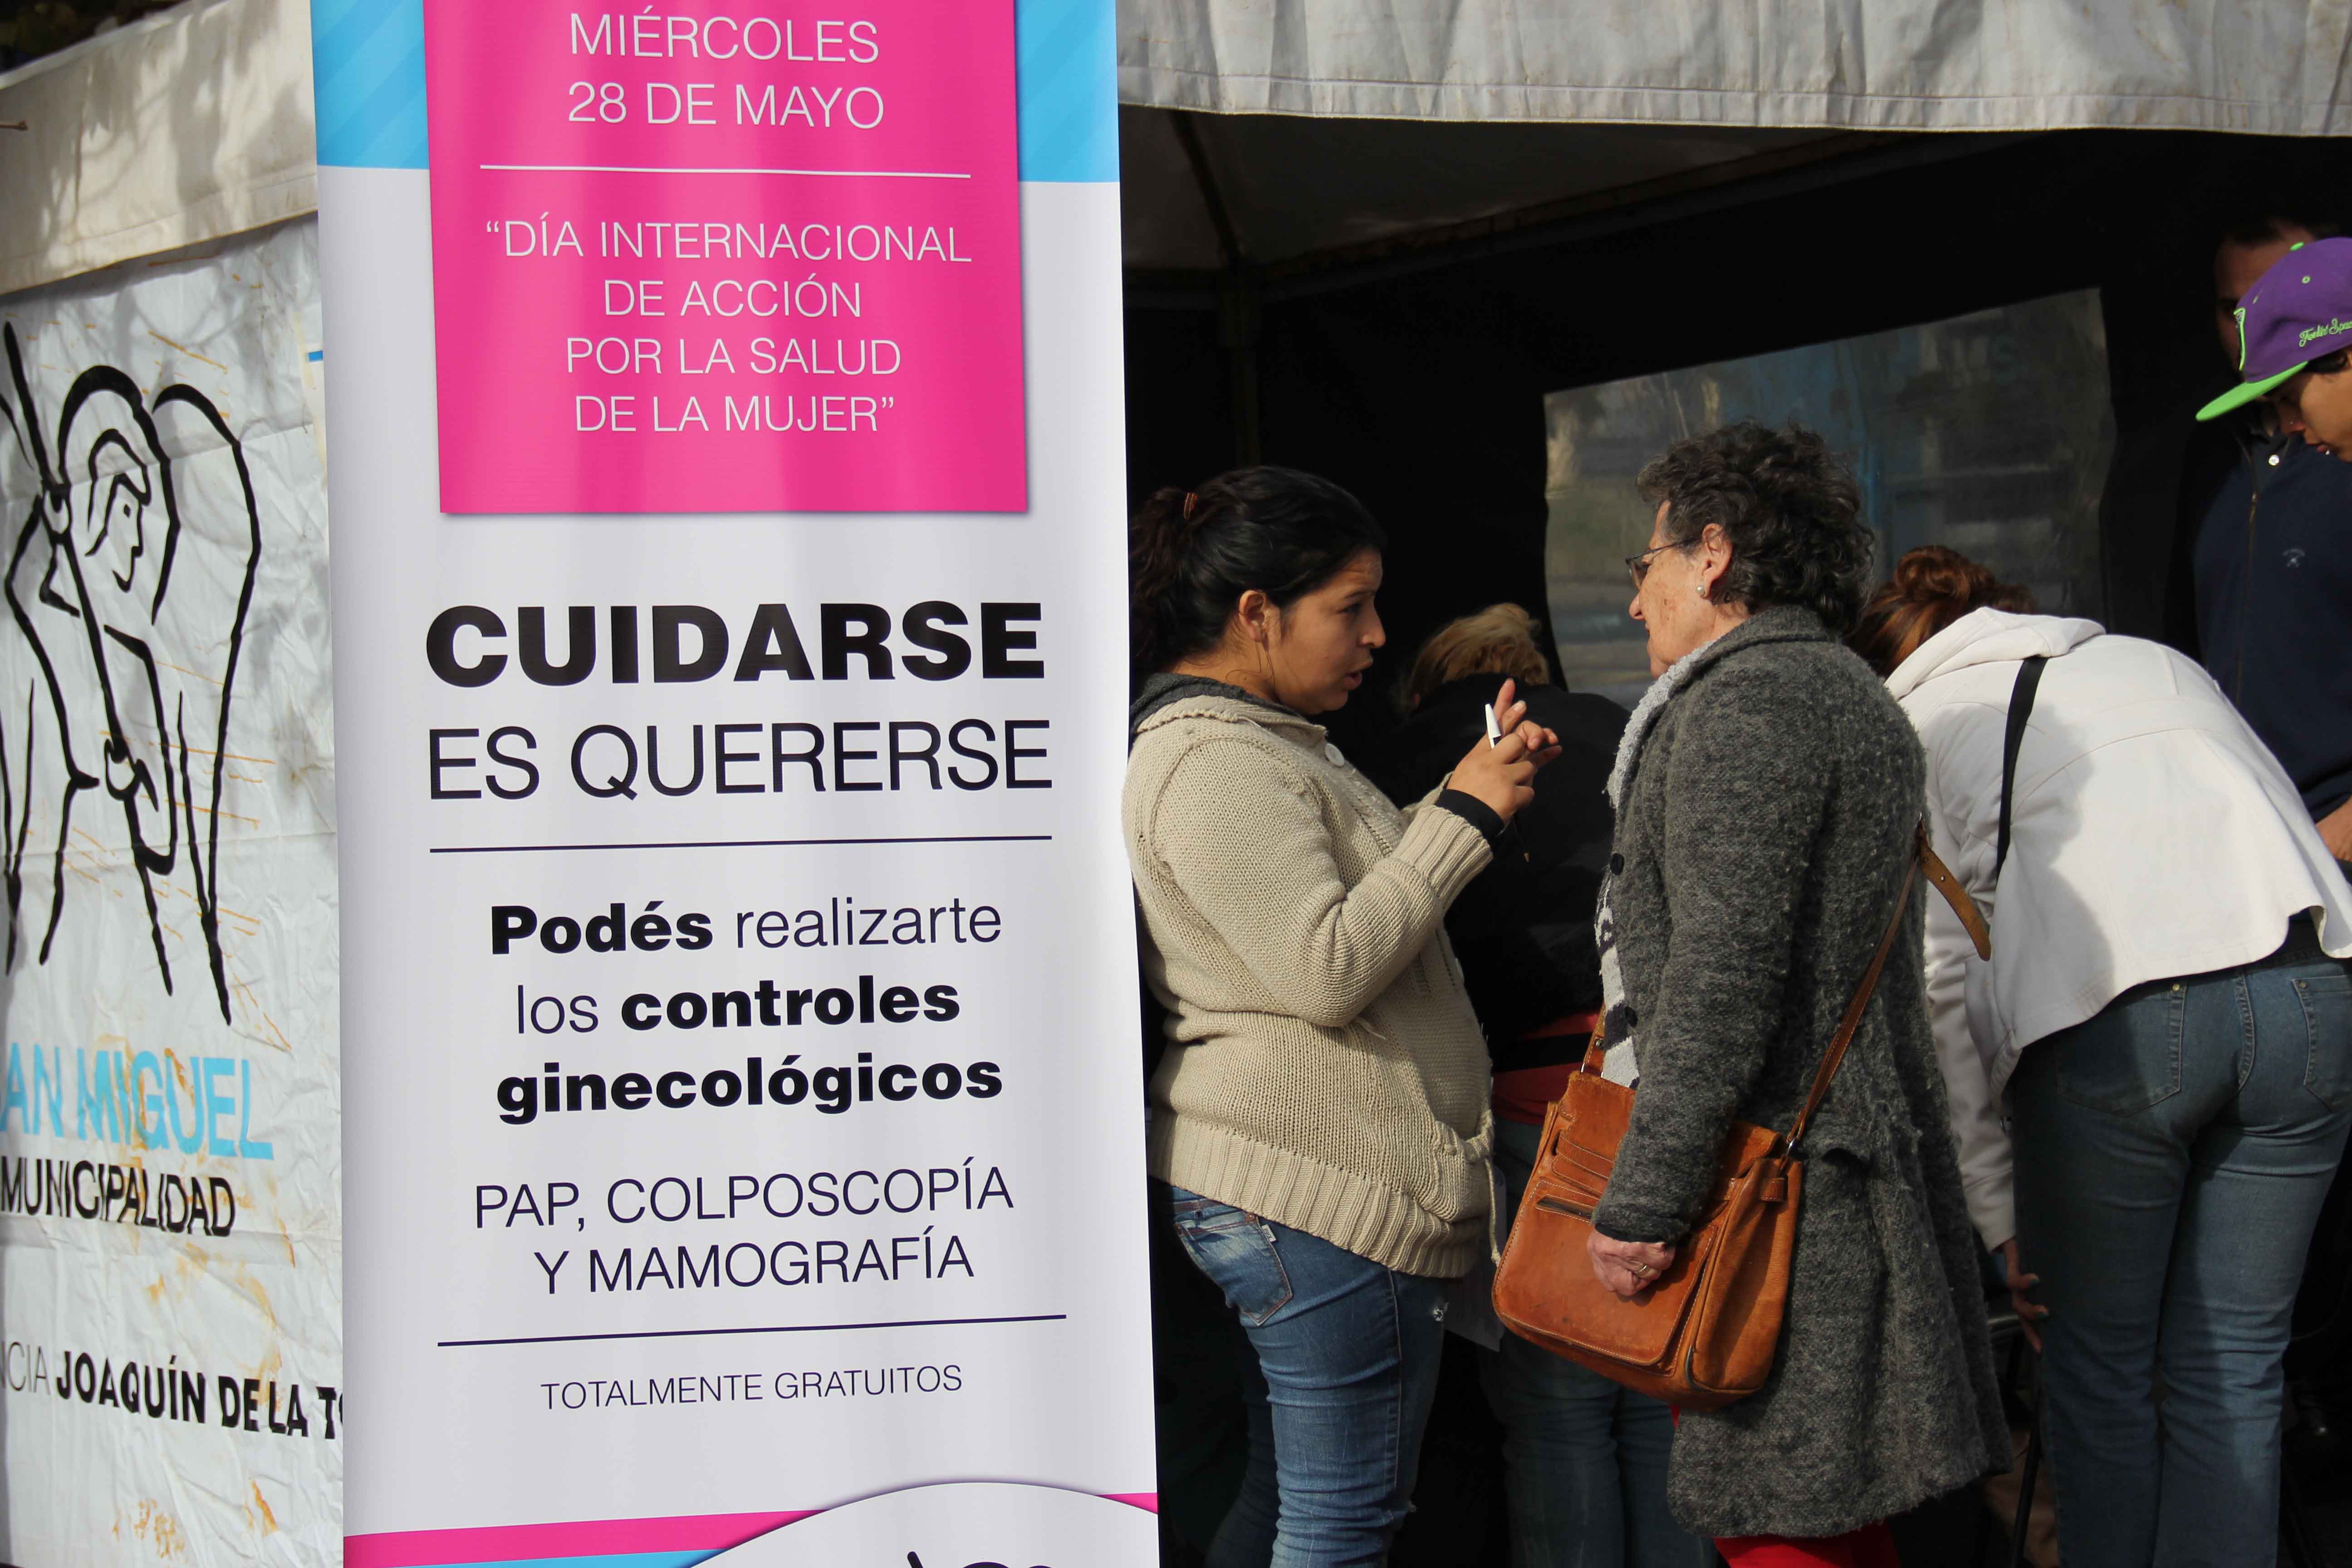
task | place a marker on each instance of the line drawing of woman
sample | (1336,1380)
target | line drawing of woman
(87,581)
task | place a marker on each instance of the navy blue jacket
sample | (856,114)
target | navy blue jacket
(2273,570)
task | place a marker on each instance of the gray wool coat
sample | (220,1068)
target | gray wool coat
(1763,836)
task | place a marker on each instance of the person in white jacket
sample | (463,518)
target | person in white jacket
(2168,1021)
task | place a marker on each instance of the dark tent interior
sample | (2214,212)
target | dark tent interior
(1388,303)
(1409,363)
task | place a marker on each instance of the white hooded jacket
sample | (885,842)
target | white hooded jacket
(2152,836)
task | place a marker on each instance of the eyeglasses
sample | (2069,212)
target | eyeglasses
(1638,566)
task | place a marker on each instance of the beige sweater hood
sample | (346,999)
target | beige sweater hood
(1325,1069)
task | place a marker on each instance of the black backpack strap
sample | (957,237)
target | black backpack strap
(2021,709)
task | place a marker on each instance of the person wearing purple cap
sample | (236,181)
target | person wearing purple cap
(2272,573)
(2273,563)
(2290,324)
(2292,318)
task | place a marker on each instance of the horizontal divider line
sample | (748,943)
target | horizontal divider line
(778,1328)
(635,169)
(739,844)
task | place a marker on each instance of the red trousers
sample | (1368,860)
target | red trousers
(1871,1546)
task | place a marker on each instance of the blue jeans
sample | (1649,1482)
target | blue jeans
(2172,1153)
(1345,1367)
(1584,1459)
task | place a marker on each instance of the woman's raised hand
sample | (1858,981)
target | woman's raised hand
(1503,776)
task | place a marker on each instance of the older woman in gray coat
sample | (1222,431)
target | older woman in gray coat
(1768,792)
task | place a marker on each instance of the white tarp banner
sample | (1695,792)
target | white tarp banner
(188,125)
(745,1107)
(170,1230)
(2277,67)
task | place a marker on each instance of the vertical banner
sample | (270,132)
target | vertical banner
(742,1106)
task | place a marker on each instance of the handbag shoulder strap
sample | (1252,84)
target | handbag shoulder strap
(1940,876)
(1831,1058)
(2021,709)
(1923,858)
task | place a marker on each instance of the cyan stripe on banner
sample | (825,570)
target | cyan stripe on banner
(368,61)
(1068,52)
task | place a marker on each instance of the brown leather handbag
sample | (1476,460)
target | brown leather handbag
(1705,1333)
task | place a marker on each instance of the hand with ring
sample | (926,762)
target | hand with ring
(1628,1268)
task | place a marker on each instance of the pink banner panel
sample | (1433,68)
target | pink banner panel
(709,260)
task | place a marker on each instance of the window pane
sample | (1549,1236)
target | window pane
(1989,433)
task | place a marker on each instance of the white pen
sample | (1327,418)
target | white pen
(1494,731)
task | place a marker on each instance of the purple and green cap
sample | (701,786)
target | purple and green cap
(2300,310)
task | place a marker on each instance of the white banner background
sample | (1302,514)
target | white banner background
(106,1067)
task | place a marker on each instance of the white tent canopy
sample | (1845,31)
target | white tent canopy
(197,122)
(1306,134)
(2273,67)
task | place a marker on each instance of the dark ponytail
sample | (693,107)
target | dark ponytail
(1192,554)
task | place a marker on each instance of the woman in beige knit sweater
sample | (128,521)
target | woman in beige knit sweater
(1320,1119)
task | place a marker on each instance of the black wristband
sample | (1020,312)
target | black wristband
(1474,812)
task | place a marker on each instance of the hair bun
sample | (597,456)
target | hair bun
(1932,587)
(1935,574)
